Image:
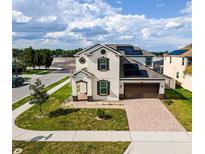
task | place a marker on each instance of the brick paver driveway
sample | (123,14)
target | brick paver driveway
(150,115)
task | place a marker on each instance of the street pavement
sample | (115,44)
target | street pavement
(23,91)
(67,66)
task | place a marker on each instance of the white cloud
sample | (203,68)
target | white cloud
(18,16)
(187,9)
(145,33)
(119,2)
(47,19)
(173,24)
(127,37)
(86,24)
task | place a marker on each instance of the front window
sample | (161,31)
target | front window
(103,64)
(189,61)
(148,61)
(183,61)
(177,75)
(103,87)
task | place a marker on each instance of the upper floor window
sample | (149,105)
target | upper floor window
(103,87)
(177,75)
(148,61)
(170,60)
(183,61)
(103,64)
(189,61)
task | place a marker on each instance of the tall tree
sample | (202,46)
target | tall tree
(39,58)
(47,60)
(29,57)
(38,94)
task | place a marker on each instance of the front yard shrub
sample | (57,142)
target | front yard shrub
(169,102)
(100,113)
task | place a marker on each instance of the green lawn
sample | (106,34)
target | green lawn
(26,99)
(179,103)
(56,118)
(36,71)
(70,147)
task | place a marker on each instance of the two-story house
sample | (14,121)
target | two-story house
(178,65)
(107,72)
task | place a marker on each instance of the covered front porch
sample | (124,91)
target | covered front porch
(82,86)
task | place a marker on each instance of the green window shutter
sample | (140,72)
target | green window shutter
(108,64)
(98,87)
(98,63)
(108,88)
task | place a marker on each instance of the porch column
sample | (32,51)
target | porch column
(74,90)
(161,89)
(89,94)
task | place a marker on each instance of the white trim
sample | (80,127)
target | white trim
(89,74)
(117,53)
(106,87)
(88,48)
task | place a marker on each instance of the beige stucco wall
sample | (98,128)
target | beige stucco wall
(111,75)
(187,82)
(170,69)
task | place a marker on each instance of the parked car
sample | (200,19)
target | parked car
(17,81)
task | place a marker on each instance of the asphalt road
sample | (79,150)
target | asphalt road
(67,65)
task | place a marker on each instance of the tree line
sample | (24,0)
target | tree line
(30,57)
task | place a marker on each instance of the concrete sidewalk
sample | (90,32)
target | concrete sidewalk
(159,148)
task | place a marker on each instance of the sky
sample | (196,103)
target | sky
(154,25)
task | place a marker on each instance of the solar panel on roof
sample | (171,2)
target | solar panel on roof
(177,52)
(138,52)
(129,50)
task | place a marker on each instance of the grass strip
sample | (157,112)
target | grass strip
(26,99)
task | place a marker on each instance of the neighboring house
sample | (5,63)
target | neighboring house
(105,73)
(158,64)
(178,65)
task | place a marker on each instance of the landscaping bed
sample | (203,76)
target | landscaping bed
(27,99)
(179,103)
(57,118)
(70,147)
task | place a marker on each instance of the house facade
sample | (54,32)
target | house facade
(106,73)
(178,65)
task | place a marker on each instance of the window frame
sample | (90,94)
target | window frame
(103,88)
(189,61)
(177,75)
(183,59)
(103,64)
